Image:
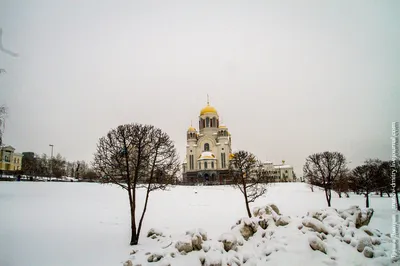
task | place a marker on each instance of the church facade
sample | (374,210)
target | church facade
(208,150)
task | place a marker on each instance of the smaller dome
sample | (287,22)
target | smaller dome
(231,156)
(191,129)
(208,110)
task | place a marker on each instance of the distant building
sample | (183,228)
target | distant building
(10,160)
(208,150)
(279,172)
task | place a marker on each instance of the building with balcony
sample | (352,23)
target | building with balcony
(10,160)
(279,172)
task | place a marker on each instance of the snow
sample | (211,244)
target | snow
(47,223)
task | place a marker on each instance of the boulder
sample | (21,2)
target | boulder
(229,240)
(363,242)
(317,244)
(198,231)
(263,223)
(247,228)
(154,233)
(198,236)
(275,208)
(367,230)
(213,258)
(266,210)
(365,217)
(368,252)
(315,224)
(185,244)
(154,257)
(360,217)
(282,221)
(128,263)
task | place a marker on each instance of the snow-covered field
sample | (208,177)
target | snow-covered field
(45,223)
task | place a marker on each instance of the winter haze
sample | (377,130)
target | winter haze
(288,78)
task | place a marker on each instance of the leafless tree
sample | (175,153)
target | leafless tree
(324,169)
(365,178)
(384,182)
(249,176)
(3,113)
(133,156)
(341,184)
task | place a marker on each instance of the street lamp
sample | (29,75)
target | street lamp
(51,159)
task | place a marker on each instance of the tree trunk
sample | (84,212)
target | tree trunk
(248,208)
(134,235)
(245,198)
(144,211)
(367,200)
(397,200)
(381,193)
(328,196)
(388,193)
(340,194)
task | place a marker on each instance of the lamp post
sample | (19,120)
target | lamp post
(51,159)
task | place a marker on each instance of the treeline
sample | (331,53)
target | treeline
(43,166)
(329,171)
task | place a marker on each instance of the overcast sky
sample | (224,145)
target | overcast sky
(288,78)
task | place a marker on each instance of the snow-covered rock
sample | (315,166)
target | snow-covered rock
(271,237)
(247,227)
(184,244)
(317,244)
(198,236)
(359,217)
(153,233)
(368,252)
(229,240)
(213,258)
(315,224)
(282,221)
(155,257)
(363,242)
(128,263)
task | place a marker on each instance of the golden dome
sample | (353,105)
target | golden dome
(191,129)
(208,110)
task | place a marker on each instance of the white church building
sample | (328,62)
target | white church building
(209,149)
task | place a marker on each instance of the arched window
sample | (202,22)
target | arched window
(207,122)
(205,165)
(206,147)
(214,122)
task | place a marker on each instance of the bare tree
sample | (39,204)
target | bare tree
(133,156)
(3,113)
(58,166)
(384,182)
(365,178)
(324,169)
(248,176)
(341,184)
